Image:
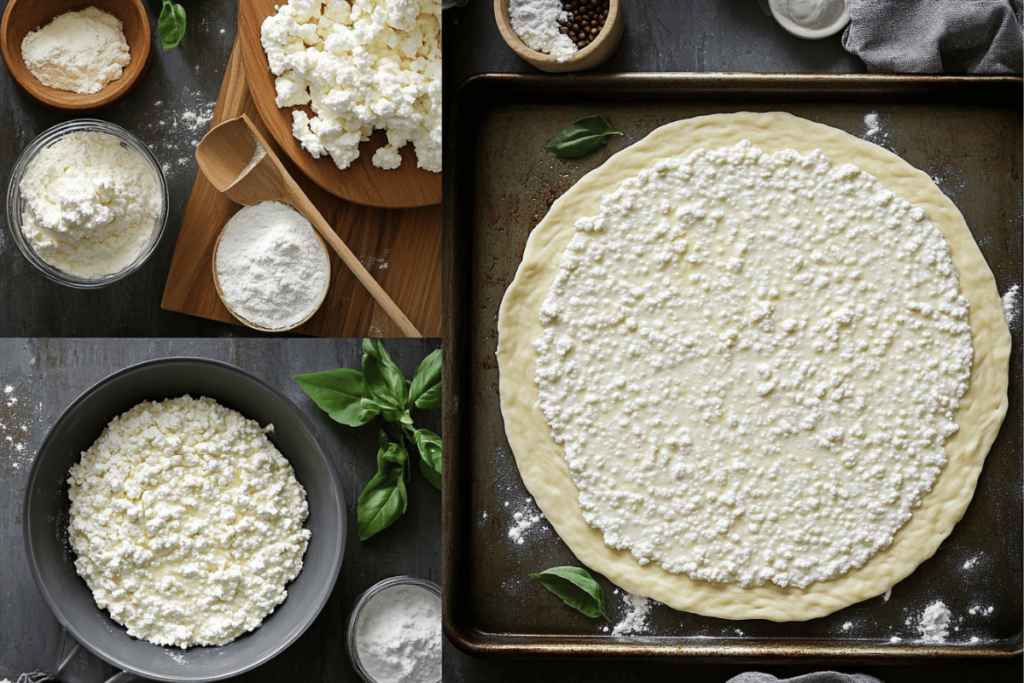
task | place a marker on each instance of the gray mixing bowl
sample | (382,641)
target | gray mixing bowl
(47,508)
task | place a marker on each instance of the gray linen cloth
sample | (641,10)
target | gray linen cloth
(936,36)
(817,677)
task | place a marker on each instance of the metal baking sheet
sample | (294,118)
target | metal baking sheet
(964,132)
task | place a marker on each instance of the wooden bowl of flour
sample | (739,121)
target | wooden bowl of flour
(240,317)
(24,16)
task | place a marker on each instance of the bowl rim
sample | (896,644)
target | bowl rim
(809,33)
(69,101)
(322,595)
(49,137)
(360,603)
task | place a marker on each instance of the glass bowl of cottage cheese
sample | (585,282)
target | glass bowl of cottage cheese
(87,203)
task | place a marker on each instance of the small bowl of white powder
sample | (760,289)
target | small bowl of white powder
(394,632)
(75,56)
(270,267)
(87,203)
(540,32)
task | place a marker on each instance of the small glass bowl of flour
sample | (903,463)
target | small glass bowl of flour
(87,203)
(394,632)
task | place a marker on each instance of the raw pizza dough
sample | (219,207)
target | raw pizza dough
(542,464)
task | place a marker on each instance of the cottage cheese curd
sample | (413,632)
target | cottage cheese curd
(752,362)
(361,66)
(187,522)
(748,381)
(91,204)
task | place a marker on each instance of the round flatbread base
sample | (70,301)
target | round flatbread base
(542,464)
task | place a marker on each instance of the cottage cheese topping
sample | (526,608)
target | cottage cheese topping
(187,522)
(90,204)
(362,66)
(752,362)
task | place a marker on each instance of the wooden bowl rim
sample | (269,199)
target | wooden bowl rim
(238,317)
(543,59)
(66,100)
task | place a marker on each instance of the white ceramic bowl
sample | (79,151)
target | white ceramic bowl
(786,22)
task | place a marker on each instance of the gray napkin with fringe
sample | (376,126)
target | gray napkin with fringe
(817,677)
(936,36)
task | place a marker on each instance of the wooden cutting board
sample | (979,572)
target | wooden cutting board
(400,247)
(362,182)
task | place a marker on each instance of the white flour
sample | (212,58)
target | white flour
(537,23)
(1010,304)
(934,624)
(16,418)
(91,204)
(270,265)
(522,522)
(176,128)
(636,617)
(78,51)
(871,123)
(398,636)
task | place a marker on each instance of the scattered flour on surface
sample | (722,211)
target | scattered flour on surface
(886,595)
(16,421)
(978,609)
(970,563)
(522,521)
(895,639)
(1010,304)
(847,626)
(175,129)
(871,123)
(636,615)
(934,624)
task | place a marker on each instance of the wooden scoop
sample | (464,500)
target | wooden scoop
(225,156)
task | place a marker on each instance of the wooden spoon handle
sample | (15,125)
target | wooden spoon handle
(301,202)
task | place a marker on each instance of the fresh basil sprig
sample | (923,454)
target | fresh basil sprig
(581,138)
(354,398)
(577,588)
(171,24)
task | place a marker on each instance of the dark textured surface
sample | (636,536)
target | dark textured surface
(44,376)
(181,81)
(660,36)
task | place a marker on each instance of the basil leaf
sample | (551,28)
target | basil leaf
(385,383)
(391,453)
(171,24)
(427,378)
(431,398)
(581,138)
(340,394)
(382,502)
(577,588)
(429,445)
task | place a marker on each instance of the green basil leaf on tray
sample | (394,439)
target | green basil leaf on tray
(577,588)
(429,445)
(382,502)
(339,393)
(171,24)
(581,138)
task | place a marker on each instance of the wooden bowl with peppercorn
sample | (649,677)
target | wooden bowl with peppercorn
(579,36)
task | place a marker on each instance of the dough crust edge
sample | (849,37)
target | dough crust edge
(541,462)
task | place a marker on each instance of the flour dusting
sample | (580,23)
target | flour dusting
(1010,304)
(934,624)
(636,617)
